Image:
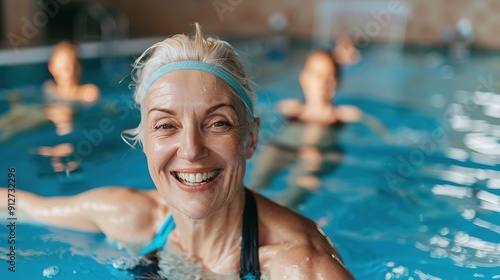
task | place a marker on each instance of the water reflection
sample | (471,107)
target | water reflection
(60,158)
(464,249)
(20,118)
(475,201)
(474,114)
(309,151)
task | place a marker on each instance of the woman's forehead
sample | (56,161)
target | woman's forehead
(319,62)
(189,86)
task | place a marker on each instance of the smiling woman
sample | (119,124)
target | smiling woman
(198,129)
(195,133)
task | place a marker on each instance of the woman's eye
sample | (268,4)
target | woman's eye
(222,124)
(164,126)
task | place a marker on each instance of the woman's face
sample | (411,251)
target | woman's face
(64,66)
(196,141)
(317,78)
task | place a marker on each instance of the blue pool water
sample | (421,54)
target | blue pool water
(424,205)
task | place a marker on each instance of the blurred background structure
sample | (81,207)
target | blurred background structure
(108,29)
(428,20)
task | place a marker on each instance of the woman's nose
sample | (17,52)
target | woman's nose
(192,145)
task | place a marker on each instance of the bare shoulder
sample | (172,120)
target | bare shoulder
(124,198)
(272,214)
(89,93)
(290,107)
(294,247)
(304,259)
(348,113)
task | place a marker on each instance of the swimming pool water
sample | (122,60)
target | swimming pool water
(423,205)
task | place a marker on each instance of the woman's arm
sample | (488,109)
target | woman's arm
(353,114)
(377,127)
(30,208)
(121,213)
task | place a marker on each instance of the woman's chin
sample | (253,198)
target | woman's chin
(196,213)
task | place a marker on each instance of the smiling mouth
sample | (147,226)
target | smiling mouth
(193,179)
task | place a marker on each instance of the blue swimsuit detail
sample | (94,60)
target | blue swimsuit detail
(161,236)
(249,257)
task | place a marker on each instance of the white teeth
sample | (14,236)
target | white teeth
(196,178)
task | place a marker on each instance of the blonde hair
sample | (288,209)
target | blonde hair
(180,48)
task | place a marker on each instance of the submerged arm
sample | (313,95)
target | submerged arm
(376,125)
(352,114)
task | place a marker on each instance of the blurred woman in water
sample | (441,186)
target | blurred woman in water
(65,91)
(309,141)
(62,95)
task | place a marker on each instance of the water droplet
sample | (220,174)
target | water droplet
(83,269)
(51,271)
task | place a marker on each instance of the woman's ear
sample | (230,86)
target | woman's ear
(254,139)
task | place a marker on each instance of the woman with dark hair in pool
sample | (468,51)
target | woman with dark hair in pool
(197,130)
(61,94)
(309,141)
(65,91)
(64,65)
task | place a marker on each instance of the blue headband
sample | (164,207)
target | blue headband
(205,67)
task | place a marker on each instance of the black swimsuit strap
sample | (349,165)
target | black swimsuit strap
(249,257)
